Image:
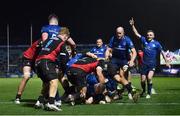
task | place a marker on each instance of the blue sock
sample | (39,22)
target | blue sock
(149,88)
(143,85)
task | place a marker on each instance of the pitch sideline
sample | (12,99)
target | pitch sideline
(128,104)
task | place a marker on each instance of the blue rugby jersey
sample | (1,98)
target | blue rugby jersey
(150,49)
(121,47)
(74,59)
(52,30)
(99,51)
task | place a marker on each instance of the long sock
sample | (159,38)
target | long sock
(71,90)
(51,100)
(66,86)
(143,85)
(57,97)
(123,88)
(130,83)
(76,96)
(149,88)
(18,96)
(129,88)
(98,98)
(41,99)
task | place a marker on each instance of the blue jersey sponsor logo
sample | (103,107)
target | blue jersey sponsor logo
(121,47)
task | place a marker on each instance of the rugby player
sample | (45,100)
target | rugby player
(98,51)
(46,66)
(52,30)
(49,31)
(119,46)
(29,57)
(151,48)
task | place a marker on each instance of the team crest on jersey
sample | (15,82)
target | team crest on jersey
(153,45)
(102,49)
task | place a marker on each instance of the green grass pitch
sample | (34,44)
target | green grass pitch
(166,102)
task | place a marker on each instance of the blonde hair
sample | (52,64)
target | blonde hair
(64,30)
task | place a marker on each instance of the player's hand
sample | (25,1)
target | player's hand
(101,59)
(131,63)
(94,56)
(107,59)
(125,68)
(131,22)
(168,65)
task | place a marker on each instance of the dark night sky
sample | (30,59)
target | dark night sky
(89,19)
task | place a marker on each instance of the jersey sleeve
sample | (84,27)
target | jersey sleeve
(143,40)
(159,47)
(92,50)
(130,43)
(105,47)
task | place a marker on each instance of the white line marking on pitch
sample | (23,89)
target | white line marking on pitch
(149,104)
(146,104)
(11,102)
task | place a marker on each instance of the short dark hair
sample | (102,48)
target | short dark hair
(52,16)
(150,31)
(99,39)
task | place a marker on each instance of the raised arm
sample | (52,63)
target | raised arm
(134,28)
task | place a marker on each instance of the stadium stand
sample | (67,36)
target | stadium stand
(15,54)
(15,58)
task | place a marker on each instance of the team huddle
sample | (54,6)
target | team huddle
(87,78)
